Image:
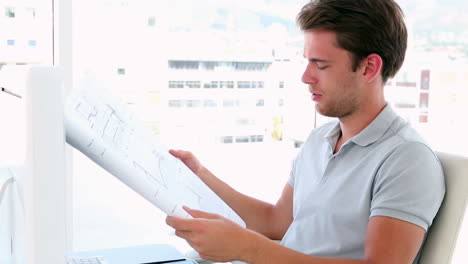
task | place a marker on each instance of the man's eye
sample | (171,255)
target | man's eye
(322,67)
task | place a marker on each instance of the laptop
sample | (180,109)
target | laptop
(145,254)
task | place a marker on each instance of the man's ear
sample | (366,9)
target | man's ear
(373,67)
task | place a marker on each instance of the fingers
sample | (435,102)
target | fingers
(200,214)
(181,154)
(179,223)
(187,235)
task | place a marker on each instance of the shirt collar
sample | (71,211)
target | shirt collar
(333,134)
(371,133)
(377,128)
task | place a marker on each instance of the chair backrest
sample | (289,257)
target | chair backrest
(443,234)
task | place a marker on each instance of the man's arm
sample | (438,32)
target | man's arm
(388,241)
(269,220)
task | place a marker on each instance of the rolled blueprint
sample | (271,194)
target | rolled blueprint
(99,125)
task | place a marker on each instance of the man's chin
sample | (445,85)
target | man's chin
(326,112)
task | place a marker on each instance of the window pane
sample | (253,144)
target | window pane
(207,83)
(248,54)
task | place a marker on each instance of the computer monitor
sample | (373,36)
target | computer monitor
(40,206)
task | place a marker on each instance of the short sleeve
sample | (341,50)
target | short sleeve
(293,172)
(409,185)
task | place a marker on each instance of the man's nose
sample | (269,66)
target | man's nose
(308,77)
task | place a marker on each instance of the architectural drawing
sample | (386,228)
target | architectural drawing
(101,127)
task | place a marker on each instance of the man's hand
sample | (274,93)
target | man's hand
(213,236)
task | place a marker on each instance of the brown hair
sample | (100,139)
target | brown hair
(362,27)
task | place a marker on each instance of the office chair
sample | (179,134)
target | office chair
(443,234)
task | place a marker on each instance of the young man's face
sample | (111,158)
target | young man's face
(335,88)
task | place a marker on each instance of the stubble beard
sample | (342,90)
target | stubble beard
(343,105)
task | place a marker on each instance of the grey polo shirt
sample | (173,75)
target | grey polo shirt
(385,170)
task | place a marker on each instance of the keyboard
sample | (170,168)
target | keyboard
(86,260)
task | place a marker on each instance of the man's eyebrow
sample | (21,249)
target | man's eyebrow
(315,59)
(318,60)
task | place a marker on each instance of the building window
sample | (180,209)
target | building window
(121,71)
(227,139)
(151,21)
(209,103)
(32,43)
(212,84)
(243,84)
(256,138)
(31,12)
(231,103)
(192,84)
(424,100)
(260,102)
(209,65)
(252,84)
(176,84)
(281,84)
(175,103)
(281,102)
(193,103)
(425,79)
(184,65)
(242,139)
(251,66)
(423,118)
(11,42)
(10,12)
(226,84)
(243,121)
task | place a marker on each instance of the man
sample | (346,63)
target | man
(363,189)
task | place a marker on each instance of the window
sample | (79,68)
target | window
(176,84)
(209,65)
(31,12)
(151,21)
(175,103)
(424,100)
(242,139)
(226,84)
(240,53)
(243,84)
(193,103)
(10,12)
(121,71)
(230,103)
(184,65)
(252,66)
(256,138)
(209,103)
(11,42)
(192,84)
(281,102)
(212,84)
(227,139)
